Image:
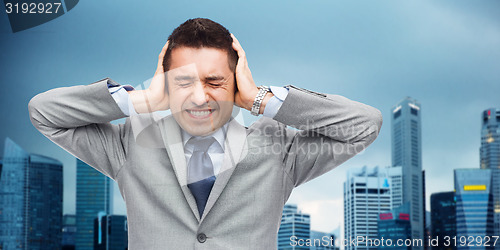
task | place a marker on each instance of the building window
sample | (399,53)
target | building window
(414,111)
(397,114)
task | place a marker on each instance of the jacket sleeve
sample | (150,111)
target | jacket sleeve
(78,119)
(329,130)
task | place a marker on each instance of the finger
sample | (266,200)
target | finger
(237,47)
(159,67)
(164,49)
(234,39)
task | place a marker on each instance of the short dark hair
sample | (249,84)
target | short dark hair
(201,33)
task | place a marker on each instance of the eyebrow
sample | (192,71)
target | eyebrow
(206,79)
(214,78)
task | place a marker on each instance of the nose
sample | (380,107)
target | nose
(199,97)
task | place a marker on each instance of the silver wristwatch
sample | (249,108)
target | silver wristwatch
(258,100)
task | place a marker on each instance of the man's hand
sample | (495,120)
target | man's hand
(247,90)
(155,97)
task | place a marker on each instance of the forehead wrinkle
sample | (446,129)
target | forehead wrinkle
(185,70)
(185,77)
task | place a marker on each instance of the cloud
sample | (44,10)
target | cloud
(326,215)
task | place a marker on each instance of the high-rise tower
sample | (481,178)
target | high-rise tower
(93,195)
(367,194)
(407,153)
(474,210)
(490,157)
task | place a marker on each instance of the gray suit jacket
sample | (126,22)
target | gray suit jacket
(262,163)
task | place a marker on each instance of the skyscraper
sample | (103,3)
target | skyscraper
(93,195)
(474,205)
(407,153)
(490,157)
(443,217)
(110,232)
(293,224)
(31,189)
(367,193)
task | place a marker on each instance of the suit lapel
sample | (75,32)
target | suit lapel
(171,134)
(233,147)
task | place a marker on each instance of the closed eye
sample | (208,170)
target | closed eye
(215,80)
(184,84)
(184,80)
(214,84)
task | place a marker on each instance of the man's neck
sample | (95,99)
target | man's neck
(219,135)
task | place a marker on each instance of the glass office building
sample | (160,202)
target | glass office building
(443,217)
(93,195)
(393,226)
(110,232)
(293,224)
(474,205)
(367,193)
(31,191)
(490,157)
(406,130)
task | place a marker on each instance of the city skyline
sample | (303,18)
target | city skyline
(117,200)
(445,54)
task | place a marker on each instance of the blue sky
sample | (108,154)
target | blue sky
(445,54)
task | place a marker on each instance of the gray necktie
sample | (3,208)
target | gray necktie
(200,171)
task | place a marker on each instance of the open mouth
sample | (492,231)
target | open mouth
(200,114)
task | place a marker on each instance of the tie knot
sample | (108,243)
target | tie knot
(201,144)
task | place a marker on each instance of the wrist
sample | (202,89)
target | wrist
(267,97)
(143,101)
(257,107)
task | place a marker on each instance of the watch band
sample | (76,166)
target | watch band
(258,100)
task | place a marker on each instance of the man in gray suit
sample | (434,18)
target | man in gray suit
(197,179)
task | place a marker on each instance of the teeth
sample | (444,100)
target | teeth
(199,113)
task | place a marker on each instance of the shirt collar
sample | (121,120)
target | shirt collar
(219,135)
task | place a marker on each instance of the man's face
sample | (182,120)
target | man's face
(201,89)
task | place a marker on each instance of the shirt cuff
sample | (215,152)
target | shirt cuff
(122,98)
(274,104)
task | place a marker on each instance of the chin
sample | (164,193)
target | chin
(202,131)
